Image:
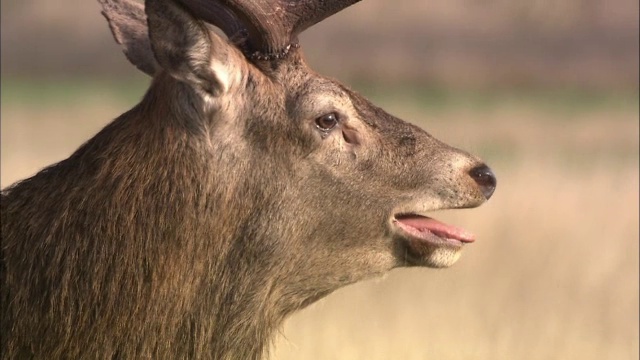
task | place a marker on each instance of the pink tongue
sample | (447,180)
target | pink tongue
(441,229)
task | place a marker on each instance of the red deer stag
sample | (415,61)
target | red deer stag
(243,187)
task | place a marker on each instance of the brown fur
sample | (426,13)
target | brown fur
(193,224)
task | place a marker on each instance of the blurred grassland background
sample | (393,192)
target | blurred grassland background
(546,91)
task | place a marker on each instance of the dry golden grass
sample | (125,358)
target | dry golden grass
(554,274)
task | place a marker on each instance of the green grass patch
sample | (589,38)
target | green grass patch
(69,91)
(557,100)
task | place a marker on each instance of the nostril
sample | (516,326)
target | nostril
(484,177)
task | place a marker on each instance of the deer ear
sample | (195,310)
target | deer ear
(128,24)
(186,48)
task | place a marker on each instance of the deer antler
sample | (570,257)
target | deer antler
(216,14)
(271,26)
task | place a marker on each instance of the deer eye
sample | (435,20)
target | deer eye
(327,122)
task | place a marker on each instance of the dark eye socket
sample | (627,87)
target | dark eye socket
(327,122)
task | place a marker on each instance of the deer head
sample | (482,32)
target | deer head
(348,169)
(243,187)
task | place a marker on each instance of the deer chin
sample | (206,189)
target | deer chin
(430,242)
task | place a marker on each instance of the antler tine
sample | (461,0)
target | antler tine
(273,26)
(216,14)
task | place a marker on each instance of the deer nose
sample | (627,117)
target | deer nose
(486,180)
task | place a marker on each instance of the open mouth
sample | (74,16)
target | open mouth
(423,230)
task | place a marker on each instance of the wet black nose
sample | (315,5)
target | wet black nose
(485,178)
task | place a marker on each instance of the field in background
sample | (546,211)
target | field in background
(462,43)
(554,274)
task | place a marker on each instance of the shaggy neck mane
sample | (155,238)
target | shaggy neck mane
(200,274)
(217,284)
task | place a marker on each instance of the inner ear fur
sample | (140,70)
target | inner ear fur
(186,48)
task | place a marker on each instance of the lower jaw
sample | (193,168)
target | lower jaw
(435,254)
